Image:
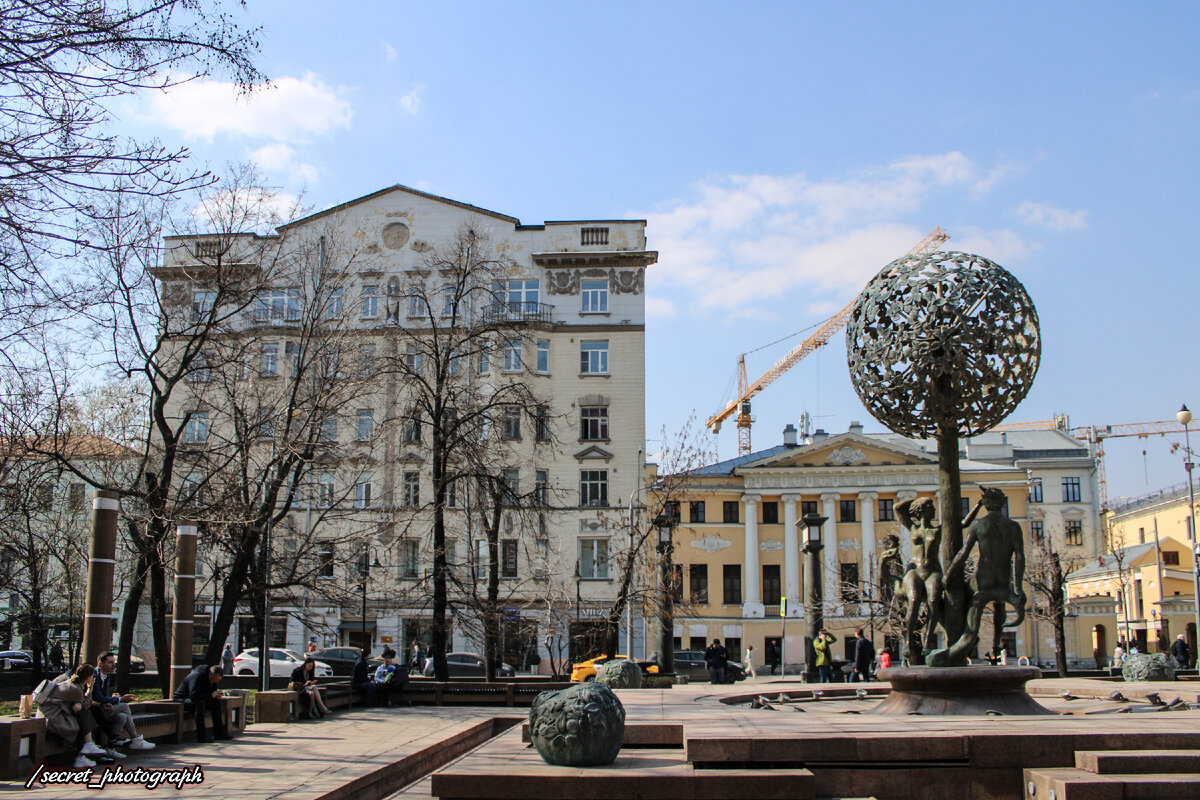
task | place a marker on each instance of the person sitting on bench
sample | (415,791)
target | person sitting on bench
(304,681)
(362,682)
(199,693)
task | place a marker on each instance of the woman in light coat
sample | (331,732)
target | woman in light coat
(68,714)
(750,661)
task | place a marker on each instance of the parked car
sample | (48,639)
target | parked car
(470,665)
(135,664)
(16,659)
(691,663)
(586,670)
(341,659)
(282,663)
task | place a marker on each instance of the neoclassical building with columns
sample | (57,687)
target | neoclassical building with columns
(738,548)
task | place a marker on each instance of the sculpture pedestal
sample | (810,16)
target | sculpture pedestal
(959,691)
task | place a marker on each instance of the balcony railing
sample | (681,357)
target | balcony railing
(518,312)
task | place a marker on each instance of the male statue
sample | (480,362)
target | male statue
(999,575)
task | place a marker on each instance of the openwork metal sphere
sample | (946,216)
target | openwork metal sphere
(945,336)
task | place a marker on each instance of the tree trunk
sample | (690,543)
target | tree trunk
(129,614)
(1058,608)
(438,638)
(158,620)
(233,589)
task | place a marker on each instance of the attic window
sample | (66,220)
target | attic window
(593,236)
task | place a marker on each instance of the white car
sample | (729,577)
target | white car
(282,663)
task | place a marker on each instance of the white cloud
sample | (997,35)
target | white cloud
(281,159)
(740,244)
(389,52)
(411,102)
(1048,216)
(290,110)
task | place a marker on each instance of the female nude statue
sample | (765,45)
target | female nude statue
(923,582)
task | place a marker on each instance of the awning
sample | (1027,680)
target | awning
(355,625)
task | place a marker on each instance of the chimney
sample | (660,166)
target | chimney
(856,426)
(789,435)
(820,435)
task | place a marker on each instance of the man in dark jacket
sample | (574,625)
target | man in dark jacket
(361,681)
(199,689)
(716,657)
(864,655)
(1180,651)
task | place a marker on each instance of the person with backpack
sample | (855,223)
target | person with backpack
(67,707)
(391,677)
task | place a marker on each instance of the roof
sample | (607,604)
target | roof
(400,188)
(1108,562)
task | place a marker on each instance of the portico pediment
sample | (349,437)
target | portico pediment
(595,452)
(843,450)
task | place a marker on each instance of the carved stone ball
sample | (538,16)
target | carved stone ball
(1148,667)
(620,674)
(580,726)
(946,336)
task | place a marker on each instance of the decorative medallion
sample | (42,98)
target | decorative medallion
(711,543)
(847,455)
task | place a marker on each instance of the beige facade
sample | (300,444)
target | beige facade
(573,293)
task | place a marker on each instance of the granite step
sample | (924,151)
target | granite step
(1137,762)
(1069,783)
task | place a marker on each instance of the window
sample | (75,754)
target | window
(454,364)
(370,302)
(414,359)
(333,307)
(1170,558)
(848,511)
(201,371)
(484,358)
(410,565)
(512,355)
(966,507)
(329,427)
(696,511)
(541,487)
(593,423)
(449,297)
(542,551)
(808,507)
(364,424)
(77,496)
(543,355)
(417,307)
(511,423)
(326,487)
(849,589)
(265,429)
(772,586)
(593,487)
(770,513)
(1035,492)
(331,363)
(508,558)
(592,236)
(1070,487)
(269,366)
(291,352)
(523,295)
(887,510)
(362,491)
(278,305)
(511,486)
(731,579)
(325,557)
(195,430)
(1074,532)
(541,423)
(366,360)
(451,494)
(202,305)
(595,296)
(410,490)
(411,432)
(730,512)
(698,576)
(593,558)
(593,358)
(672,511)
(481,559)
(1141,535)
(1037,530)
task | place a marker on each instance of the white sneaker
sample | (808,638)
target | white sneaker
(139,743)
(114,754)
(91,749)
(82,761)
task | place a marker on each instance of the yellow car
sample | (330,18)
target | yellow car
(586,670)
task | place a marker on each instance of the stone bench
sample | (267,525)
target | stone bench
(283,705)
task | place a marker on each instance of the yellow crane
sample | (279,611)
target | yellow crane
(822,335)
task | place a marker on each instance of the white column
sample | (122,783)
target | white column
(791,556)
(905,534)
(752,605)
(829,536)
(866,504)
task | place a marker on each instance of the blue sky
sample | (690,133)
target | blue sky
(782,154)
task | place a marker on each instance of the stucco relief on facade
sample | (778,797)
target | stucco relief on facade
(847,455)
(829,481)
(592,525)
(711,543)
(621,281)
(848,544)
(770,545)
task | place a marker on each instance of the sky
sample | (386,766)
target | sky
(782,153)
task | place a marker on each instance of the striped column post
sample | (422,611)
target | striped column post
(97,616)
(184,614)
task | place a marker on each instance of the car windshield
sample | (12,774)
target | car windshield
(289,655)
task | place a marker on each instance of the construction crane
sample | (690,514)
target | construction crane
(1095,435)
(823,334)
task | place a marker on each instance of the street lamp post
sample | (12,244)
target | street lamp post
(810,535)
(364,572)
(1185,417)
(666,548)
(571,643)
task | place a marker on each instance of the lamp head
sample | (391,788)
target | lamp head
(1183,415)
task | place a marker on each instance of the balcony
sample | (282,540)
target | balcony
(518,312)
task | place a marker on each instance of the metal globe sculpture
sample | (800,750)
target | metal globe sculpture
(943,338)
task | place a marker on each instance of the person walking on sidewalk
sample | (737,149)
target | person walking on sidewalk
(750,661)
(716,657)
(864,654)
(824,660)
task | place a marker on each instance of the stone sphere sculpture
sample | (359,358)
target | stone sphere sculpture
(1148,667)
(580,726)
(620,674)
(941,338)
